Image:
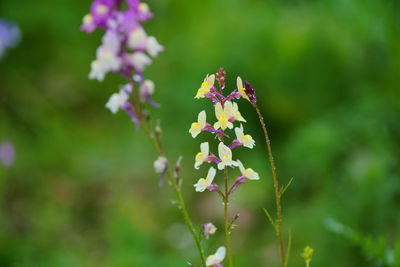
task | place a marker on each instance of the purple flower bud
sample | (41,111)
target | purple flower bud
(9,36)
(250,92)
(7,153)
(220,75)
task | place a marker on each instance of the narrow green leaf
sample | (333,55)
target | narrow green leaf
(283,189)
(270,218)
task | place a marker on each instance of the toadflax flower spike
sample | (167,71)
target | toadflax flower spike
(248,173)
(202,155)
(202,183)
(198,126)
(216,259)
(227,114)
(205,86)
(225,155)
(245,140)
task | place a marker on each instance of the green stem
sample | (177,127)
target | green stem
(226,224)
(276,189)
(187,219)
(172,181)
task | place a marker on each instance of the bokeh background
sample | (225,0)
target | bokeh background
(82,190)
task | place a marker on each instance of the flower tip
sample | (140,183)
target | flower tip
(250,92)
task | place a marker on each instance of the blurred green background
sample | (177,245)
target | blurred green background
(82,190)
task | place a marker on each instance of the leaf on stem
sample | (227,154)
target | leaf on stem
(270,218)
(283,188)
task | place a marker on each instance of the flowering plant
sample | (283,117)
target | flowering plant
(227,114)
(126,49)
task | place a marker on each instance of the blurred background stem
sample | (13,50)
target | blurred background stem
(173,182)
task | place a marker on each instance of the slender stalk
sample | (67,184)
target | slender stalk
(156,142)
(226,224)
(172,181)
(276,189)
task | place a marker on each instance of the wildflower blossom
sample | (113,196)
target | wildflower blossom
(223,115)
(205,86)
(245,140)
(236,113)
(203,183)
(198,126)
(208,229)
(9,36)
(225,155)
(125,49)
(202,155)
(216,259)
(241,89)
(118,100)
(248,173)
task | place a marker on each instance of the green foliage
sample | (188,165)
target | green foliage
(376,249)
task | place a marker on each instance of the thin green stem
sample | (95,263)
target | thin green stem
(226,223)
(172,181)
(278,227)
(156,142)
(186,217)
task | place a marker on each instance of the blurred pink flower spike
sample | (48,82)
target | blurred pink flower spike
(7,154)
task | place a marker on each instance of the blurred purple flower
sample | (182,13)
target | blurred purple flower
(7,153)
(9,36)
(126,49)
